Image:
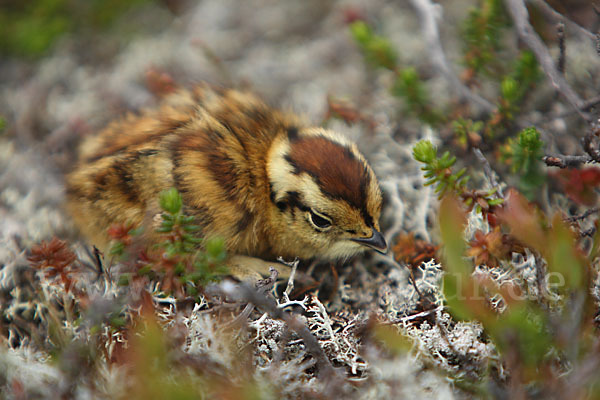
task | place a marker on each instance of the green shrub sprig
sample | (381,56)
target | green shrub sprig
(181,261)
(524,155)
(379,53)
(482,33)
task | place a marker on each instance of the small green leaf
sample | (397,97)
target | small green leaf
(495,202)
(170,201)
(424,151)
(187,219)
(164,229)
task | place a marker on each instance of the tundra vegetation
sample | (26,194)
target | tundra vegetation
(486,155)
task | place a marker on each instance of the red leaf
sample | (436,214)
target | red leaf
(524,219)
(579,184)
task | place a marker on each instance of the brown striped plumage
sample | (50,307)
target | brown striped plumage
(260,178)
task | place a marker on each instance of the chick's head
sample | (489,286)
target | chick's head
(326,198)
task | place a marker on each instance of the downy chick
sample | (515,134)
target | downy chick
(262,179)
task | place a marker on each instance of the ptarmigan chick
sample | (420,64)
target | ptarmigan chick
(263,180)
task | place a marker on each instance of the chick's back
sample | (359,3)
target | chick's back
(210,144)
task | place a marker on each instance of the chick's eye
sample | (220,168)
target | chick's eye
(319,221)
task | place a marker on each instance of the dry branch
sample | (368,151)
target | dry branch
(244,292)
(589,144)
(520,16)
(564,161)
(429,13)
(489,172)
(562,55)
(556,16)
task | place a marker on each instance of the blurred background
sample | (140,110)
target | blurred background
(69,66)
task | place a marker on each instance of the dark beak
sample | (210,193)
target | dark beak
(376,242)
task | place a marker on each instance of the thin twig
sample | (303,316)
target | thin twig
(421,314)
(596,9)
(246,293)
(597,36)
(429,13)
(576,218)
(552,13)
(560,33)
(563,161)
(584,215)
(588,143)
(588,232)
(290,282)
(96,257)
(590,103)
(584,107)
(520,16)
(266,285)
(540,275)
(262,286)
(489,172)
(241,319)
